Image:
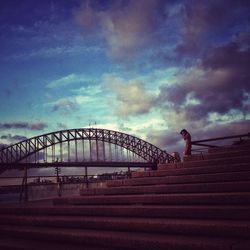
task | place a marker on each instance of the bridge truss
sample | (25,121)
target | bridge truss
(82,145)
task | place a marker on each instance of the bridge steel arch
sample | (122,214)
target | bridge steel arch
(147,151)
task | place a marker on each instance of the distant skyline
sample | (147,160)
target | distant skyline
(148,68)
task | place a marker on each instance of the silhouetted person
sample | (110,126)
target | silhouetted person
(187,137)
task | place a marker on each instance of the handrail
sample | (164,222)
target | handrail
(200,142)
(62,177)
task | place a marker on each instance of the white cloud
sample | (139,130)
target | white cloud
(51,52)
(90,90)
(109,126)
(191,100)
(125,27)
(69,103)
(130,97)
(141,127)
(80,100)
(64,103)
(69,79)
(153,80)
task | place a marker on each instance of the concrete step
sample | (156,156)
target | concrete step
(122,240)
(196,178)
(238,186)
(204,204)
(13,243)
(232,212)
(205,163)
(193,170)
(240,198)
(198,227)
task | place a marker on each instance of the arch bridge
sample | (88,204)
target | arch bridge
(78,147)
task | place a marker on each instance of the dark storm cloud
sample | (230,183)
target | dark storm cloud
(221,130)
(64,104)
(2,146)
(220,83)
(9,137)
(229,56)
(203,21)
(236,85)
(163,138)
(23,125)
(61,125)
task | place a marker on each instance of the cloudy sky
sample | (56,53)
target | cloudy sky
(144,67)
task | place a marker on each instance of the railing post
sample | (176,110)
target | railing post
(58,181)
(26,198)
(129,173)
(24,186)
(86,177)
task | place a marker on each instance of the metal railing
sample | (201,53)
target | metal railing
(217,142)
(60,179)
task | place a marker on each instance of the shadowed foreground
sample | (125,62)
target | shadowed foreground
(203,203)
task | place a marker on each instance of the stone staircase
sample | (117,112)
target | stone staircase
(202,203)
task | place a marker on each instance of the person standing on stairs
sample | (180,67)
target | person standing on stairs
(187,138)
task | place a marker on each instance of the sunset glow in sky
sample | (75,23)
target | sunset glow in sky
(144,67)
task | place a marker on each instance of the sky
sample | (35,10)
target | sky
(148,68)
